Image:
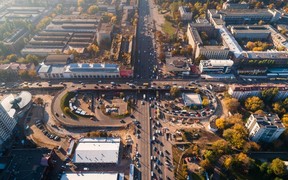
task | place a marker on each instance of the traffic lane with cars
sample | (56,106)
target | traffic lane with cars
(143,147)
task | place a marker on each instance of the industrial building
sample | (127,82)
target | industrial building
(92,175)
(97,150)
(78,70)
(264,128)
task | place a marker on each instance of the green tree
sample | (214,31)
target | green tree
(278,167)
(269,94)
(254,103)
(236,135)
(66,110)
(93,9)
(174,91)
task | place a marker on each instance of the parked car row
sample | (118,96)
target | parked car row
(40,126)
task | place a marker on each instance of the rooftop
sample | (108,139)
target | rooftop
(97,150)
(192,98)
(90,176)
(213,63)
(12,103)
(258,87)
(268,121)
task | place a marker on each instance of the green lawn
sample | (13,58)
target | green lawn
(168,28)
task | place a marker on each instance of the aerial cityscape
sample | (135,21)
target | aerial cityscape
(143,89)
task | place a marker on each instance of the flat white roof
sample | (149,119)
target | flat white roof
(89,176)
(192,98)
(216,63)
(98,150)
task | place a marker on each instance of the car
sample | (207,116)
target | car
(142,102)
(137,154)
(122,121)
(138,136)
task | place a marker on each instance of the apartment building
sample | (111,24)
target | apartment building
(244,91)
(264,128)
(215,66)
(185,13)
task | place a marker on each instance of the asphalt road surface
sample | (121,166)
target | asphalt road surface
(142,115)
(146,59)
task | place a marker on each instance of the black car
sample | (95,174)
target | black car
(122,121)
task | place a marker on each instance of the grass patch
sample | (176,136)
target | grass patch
(168,28)
(64,102)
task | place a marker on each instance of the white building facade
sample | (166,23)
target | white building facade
(78,70)
(185,14)
(215,66)
(264,128)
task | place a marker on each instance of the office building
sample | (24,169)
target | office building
(250,32)
(215,66)
(264,128)
(7,124)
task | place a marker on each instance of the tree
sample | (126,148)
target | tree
(199,58)
(204,35)
(269,94)
(174,91)
(231,104)
(243,160)
(162,57)
(248,146)
(32,73)
(220,147)
(221,123)
(236,135)
(32,59)
(205,102)
(12,58)
(93,9)
(39,100)
(278,167)
(278,108)
(81,3)
(66,110)
(260,112)
(205,164)
(254,103)
(285,120)
(228,162)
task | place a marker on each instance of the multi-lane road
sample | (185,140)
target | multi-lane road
(146,59)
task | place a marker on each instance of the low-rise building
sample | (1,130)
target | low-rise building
(78,70)
(58,59)
(185,13)
(92,175)
(264,128)
(192,99)
(244,91)
(97,151)
(215,66)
